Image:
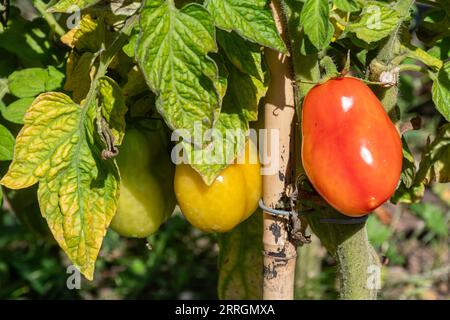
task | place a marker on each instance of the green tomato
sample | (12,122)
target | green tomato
(146,198)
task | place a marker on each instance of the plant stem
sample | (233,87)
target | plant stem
(120,40)
(389,57)
(424,57)
(107,56)
(54,25)
(412,67)
(358,265)
(279,251)
(357,262)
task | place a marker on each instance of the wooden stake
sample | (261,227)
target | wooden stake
(279,251)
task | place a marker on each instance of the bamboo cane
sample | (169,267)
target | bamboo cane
(279,251)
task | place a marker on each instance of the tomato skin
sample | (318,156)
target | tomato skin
(351,151)
(231,199)
(146,197)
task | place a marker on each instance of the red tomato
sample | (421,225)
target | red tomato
(351,151)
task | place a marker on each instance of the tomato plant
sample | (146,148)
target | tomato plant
(334,88)
(351,151)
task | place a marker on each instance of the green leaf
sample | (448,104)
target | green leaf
(245,56)
(433,216)
(77,190)
(64,5)
(240,261)
(6,144)
(16,110)
(408,167)
(113,107)
(441,90)
(28,40)
(435,163)
(435,20)
(441,49)
(240,105)
(30,82)
(172,54)
(348,5)
(407,191)
(434,166)
(27,82)
(378,20)
(130,47)
(55,79)
(251,19)
(315,23)
(78,70)
(408,195)
(222,80)
(243,94)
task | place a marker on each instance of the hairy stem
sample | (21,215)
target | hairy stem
(388,59)
(358,264)
(359,268)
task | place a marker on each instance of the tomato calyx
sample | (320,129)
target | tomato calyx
(381,75)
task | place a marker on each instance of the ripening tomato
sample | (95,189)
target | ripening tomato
(231,198)
(146,197)
(351,151)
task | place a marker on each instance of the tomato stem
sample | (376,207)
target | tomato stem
(412,67)
(358,264)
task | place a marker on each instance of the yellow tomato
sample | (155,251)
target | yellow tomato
(231,198)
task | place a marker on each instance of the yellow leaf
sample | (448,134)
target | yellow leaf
(86,37)
(77,190)
(79,71)
(113,107)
